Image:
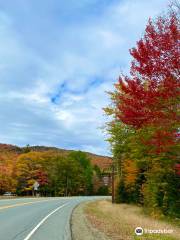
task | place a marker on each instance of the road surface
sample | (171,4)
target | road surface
(37,218)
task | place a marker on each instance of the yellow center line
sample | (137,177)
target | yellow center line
(22,204)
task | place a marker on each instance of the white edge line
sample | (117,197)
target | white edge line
(43,220)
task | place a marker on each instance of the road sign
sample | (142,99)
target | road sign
(36,186)
(106,180)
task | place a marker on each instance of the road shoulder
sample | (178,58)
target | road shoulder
(81,228)
(118,221)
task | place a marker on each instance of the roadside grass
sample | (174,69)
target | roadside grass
(118,221)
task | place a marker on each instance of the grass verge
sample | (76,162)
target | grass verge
(118,222)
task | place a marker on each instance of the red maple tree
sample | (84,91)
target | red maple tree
(149,97)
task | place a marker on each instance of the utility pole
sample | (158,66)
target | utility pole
(113,193)
(66,191)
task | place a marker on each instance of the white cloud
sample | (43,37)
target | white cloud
(78,66)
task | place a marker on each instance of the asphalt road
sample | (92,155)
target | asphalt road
(37,218)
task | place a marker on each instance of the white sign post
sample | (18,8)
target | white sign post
(35,187)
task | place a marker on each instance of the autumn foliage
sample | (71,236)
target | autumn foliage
(145,110)
(58,172)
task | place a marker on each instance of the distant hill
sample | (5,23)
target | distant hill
(103,162)
(10,148)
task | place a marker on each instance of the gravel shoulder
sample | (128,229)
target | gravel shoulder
(81,228)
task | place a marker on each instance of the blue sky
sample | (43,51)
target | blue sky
(57,59)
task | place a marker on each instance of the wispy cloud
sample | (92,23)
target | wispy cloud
(57,59)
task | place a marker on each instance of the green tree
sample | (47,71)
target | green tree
(85,163)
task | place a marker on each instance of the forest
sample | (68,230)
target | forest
(57,172)
(144,120)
